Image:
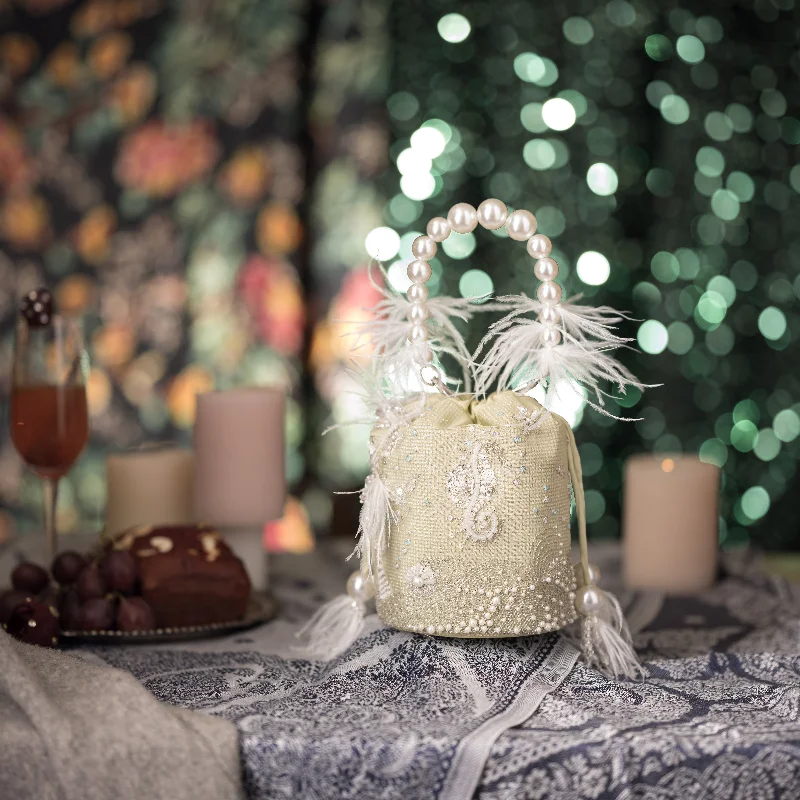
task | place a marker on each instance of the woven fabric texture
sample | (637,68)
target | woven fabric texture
(480,539)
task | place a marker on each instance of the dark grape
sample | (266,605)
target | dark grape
(134,614)
(120,571)
(96,614)
(67,566)
(35,623)
(37,307)
(9,601)
(29,577)
(69,606)
(90,584)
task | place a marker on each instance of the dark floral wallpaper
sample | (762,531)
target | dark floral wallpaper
(155,165)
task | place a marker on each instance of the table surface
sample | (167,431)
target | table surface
(718,715)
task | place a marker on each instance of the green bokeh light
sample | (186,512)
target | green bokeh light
(658,47)
(768,445)
(755,502)
(459,245)
(578,30)
(454,28)
(772,323)
(786,425)
(674,109)
(743,436)
(690,49)
(652,337)
(713,451)
(665,267)
(475,283)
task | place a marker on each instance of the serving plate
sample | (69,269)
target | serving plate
(263,608)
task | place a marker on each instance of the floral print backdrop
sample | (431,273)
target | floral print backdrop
(156,160)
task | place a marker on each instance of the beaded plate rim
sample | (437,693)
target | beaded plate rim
(263,607)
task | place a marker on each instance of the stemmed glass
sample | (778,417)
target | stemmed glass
(48,419)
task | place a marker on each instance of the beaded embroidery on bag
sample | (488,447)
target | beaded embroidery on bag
(465,521)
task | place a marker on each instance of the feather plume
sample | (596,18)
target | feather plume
(518,356)
(388,333)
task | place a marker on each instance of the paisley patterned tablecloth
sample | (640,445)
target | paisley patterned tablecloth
(401,715)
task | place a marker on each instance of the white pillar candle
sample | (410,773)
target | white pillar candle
(670,523)
(240,481)
(149,487)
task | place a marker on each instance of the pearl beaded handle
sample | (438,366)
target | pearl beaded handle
(464,218)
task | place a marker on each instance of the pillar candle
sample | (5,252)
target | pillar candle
(149,487)
(670,523)
(240,481)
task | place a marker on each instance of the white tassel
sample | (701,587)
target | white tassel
(606,641)
(337,624)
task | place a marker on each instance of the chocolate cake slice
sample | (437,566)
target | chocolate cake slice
(188,574)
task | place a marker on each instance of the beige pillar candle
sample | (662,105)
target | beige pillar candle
(240,481)
(149,487)
(670,523)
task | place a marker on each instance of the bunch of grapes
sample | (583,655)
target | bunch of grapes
(85,594)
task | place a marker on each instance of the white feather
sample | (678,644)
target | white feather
(389,334)
(517,355)
(332,629)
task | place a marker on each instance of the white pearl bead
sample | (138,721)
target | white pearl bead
(539,246)
(546,269)
(549,292)
(419,271)
(418,312)
(594,574)
(438,229)
(424,247)
(419,333)
(418,292)
(549,315)
(589,600)
(492,214)
(360,587)
(550,336)
(462,217)
(521,225)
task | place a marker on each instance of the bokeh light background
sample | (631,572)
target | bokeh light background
(205,181)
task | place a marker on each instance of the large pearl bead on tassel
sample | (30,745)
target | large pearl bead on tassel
(589,600)
(521,225)
(539,246)
(549,293)
(360,587)
(594,574)
(418,292)
(492,214)
(438,229)
(419,271)
(423,247)
(546,269)
(418,312)
(462,217)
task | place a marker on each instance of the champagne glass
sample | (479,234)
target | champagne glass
(49,418)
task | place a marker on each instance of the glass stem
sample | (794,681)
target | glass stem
(50,490)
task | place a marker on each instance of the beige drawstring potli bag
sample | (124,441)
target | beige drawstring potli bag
(465,520)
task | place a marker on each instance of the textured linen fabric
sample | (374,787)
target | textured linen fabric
(75,730)
(480,535)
